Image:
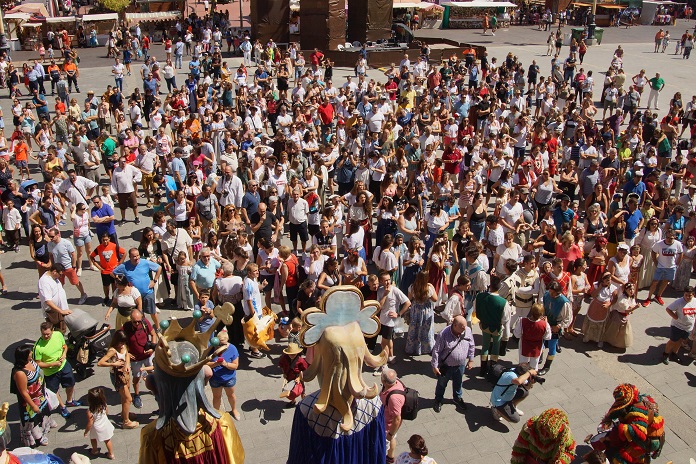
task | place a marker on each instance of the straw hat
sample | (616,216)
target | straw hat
(293,348)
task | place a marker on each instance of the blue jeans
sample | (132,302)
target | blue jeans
(455,374)
(177,60)
(119,83)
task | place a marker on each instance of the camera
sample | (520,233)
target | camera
(537,379)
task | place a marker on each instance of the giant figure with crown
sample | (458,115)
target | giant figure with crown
(343,422)
(188,430)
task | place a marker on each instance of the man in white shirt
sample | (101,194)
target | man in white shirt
(394,303)
(254,121)
(298,209)
(117,70)
(135,115)
(511,212)
(147,162)
(375,120)
(54,301)
(123,180)
(230,189)
(427,138)
(76,189)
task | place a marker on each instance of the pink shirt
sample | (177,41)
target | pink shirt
(396,402)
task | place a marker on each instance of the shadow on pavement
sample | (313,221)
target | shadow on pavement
(650,358)
(269,410)
(480,416)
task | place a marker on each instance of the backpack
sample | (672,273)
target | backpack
(409,411)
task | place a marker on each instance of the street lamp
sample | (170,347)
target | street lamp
(592,26)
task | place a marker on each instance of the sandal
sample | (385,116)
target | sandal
(131,425)
(94,452)
(235,415)
(110,456)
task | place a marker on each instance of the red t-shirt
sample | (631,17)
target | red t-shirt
(316,57)
(138,336)
(326,113)
(108,256)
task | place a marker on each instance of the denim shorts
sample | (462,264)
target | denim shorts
(663,273)
(228,384)
(81,241)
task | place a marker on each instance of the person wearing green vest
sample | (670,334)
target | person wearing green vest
(558,312)
(494,313)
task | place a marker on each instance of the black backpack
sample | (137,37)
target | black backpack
(409,411)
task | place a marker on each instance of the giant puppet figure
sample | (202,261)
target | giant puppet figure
(189,430)
(343,422)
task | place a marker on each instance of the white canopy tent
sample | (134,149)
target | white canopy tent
(480,4)
(153,16)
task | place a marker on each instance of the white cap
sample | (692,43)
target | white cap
(638,164)
(639,172)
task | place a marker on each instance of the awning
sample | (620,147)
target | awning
(406,4)
(100,17)
(32,8)
(19,16)
(480,4)
(153,16)
(61,19)
(31,25)
(611,6)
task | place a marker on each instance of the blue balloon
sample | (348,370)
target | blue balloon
(185,358)
(197,314)
(164,325)
(215,341)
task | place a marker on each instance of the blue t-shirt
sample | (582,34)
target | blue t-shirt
(179,166)
(222,375)
(204,276)
(561,217)
(106,227)
(452,211)
(138,275)
(250,203)
(502,394)
(632,221)
(170,187)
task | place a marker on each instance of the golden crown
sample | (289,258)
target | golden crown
(187,364)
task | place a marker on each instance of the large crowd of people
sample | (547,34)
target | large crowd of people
(484,190)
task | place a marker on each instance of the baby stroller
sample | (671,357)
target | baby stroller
(87,340)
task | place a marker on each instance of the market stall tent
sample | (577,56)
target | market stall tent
(469,14)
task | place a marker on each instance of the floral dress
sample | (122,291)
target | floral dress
(683,275)
(421,331)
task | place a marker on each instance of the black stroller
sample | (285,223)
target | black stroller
(87,341)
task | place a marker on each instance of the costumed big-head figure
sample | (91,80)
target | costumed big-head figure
(343,422)
(189,430)
(545,438)
(632,431)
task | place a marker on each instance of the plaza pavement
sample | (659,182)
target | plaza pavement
(580,382)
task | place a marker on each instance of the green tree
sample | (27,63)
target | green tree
(115,5)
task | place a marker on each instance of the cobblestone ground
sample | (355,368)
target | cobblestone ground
(580,382)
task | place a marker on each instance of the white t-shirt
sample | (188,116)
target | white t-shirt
(667,254)
(393,302)
(252,293)
(386,261)
(50,289)
(511,214)
(686,313)
(118,70)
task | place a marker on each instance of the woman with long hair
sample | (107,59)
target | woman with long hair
(330,277)
(387,217)
(436,268)
(29,386)
(476,212)
(126,299)
(38,248)
(361,212)
(384,257)
(118,361)
(421,331)
(353,269)
(150,248)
